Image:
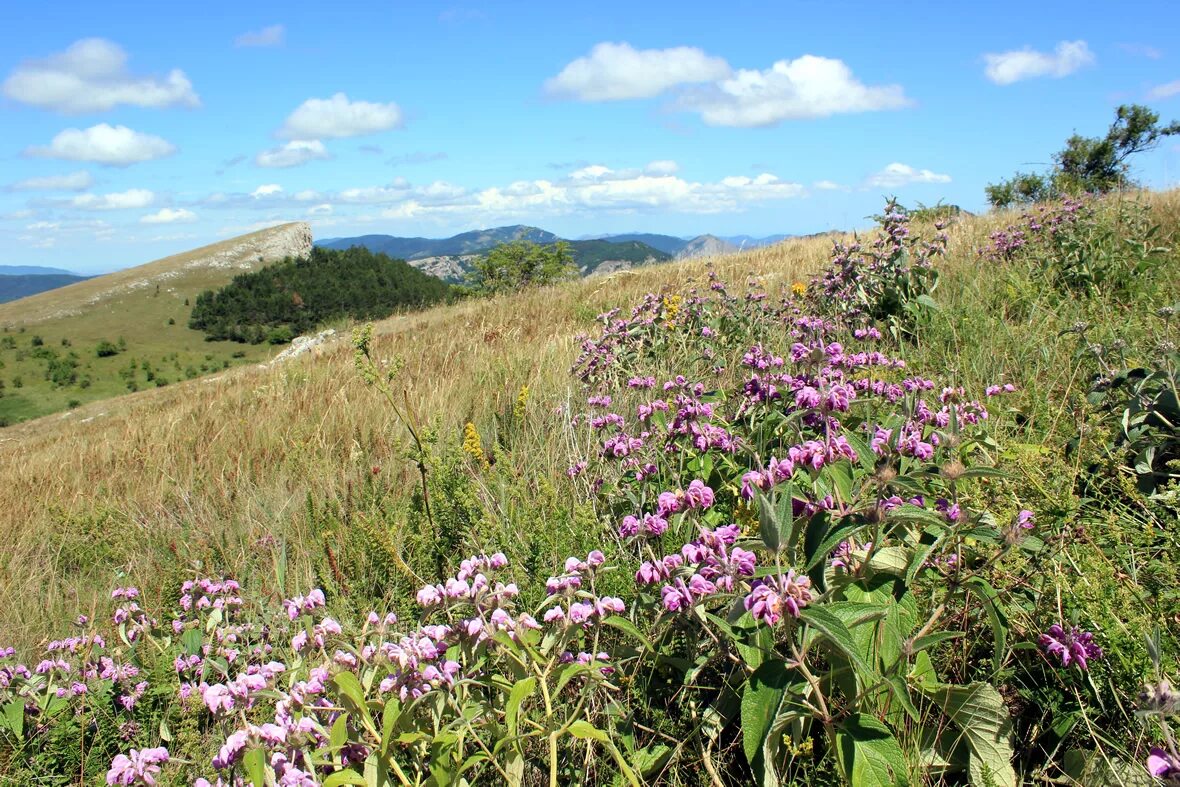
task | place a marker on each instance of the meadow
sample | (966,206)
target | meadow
(120,333)
(901,512)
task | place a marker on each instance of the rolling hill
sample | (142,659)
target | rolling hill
(450,258)
(126,331)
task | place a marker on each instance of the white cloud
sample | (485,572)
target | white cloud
(91,76)
(320,210)
(308,195)
(42,226)
(590,189)
(898,174)
(119,200)
(1166,90)
(804,88)
(292,154)
(74,181)
(169,216)
(1004,68)
(17,215)
(267,190)
(613,72)
(267,36)
(116,146)
(827,185)
(335,117)
(662,167)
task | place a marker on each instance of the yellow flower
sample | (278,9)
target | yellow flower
(473,444)
(522,401)
(671,309)
(799,288)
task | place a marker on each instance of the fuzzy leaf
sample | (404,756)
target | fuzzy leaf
(869,755)
(979,711)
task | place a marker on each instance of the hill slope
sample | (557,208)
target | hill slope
(33,270)
(49,342)
(22,285)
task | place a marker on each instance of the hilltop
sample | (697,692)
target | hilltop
(50,342)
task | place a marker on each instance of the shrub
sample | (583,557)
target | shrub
(514,266)
(106,349)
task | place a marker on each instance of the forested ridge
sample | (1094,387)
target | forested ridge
(296,295)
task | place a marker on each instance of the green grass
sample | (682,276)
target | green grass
(146,307)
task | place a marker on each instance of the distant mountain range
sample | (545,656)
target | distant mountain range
(32,270)
(19,281)
(450,258)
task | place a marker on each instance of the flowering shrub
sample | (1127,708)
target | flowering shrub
(1082,245)
(797,530)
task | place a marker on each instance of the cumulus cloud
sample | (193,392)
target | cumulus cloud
(115,146)
(169,216)
(1166,90)
(801,89)
(267,190)
(92,76)
(74,181)
(613,72)
(898,174)
(593,188)
(662,167)
(338,116)
(292,154)
(1004,68)
(827,185)
(119,200)
(267,36)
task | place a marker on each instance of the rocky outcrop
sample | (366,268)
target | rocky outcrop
(706,246)
(301,345)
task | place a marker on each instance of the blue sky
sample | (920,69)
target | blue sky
(129,131)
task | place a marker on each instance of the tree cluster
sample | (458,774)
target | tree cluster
(295,296)
(514,266)
(1097,165)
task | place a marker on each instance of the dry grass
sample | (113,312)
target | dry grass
(222,462)
(230,459)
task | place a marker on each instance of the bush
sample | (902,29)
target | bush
(106,349)
(511,267)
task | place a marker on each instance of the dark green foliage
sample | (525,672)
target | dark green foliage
(105,349)
(1088,164)
(511,267)
(295,296)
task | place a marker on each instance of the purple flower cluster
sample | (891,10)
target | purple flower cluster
(774,595)
(1071,647)
(140,766)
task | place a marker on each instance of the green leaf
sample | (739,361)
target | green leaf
(389,716)
(768,524)
(997,617)
(630,629)
(520,692)
(979,712)
(835,632)
(350,688)
(761,699)
(586,731)
(338,735)
(346,776)
(869,755)
(14,717)
(817,553)
(254,762)
(191,640)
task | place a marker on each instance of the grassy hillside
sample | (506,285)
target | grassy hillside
(142,311)
(305,476)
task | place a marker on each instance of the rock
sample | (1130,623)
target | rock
(299,346)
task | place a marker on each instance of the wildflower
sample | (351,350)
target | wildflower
(772,595)
(1073,646)
(1163,765)
(698,495)
(798,289)
(1159,698)
(473,444)
(141,766)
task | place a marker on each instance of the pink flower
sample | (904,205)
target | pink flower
(698,495)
